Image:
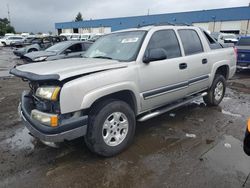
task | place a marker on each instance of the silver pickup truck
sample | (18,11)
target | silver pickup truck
(124,77)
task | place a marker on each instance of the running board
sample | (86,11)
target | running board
(170,107)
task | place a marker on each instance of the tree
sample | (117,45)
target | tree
(78,17)
(5,26)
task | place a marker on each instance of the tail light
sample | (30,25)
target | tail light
(236,51)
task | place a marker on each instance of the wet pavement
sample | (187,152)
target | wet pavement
(193,146)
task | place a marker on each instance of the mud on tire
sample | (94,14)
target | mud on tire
(216,92)
(111,128)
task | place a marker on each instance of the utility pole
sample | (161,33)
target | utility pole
(8,8)
(148,11)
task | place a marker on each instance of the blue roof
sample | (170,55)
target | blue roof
(225,14)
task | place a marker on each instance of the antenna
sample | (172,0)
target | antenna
(8,8)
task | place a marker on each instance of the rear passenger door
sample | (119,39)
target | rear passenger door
(196,59)
(163,81)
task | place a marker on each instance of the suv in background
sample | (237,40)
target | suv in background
(39,44)
(6,41)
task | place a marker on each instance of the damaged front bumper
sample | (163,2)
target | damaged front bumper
(68,129)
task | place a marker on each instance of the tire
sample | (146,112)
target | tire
(216,92)
(32,50)
(100,137)
(4,44)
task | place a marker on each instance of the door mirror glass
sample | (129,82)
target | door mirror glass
(154,55)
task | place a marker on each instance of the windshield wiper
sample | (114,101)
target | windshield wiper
(103,57)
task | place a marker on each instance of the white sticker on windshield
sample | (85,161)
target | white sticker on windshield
(130,40)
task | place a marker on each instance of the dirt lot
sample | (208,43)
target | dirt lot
(194,146)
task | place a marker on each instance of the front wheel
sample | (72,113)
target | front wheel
(111,128)
(216,92)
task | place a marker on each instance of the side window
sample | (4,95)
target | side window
(86,45)
(46,40)
(166,40)
(75,48)
(212,42)
(55,39)
(191,41)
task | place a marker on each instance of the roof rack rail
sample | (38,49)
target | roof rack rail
(164,24)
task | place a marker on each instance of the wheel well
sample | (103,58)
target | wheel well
(223,70)
(125,95)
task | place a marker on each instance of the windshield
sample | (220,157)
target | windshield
(122,46)
(244,42)
(58,47)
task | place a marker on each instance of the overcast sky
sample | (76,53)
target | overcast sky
(40,15)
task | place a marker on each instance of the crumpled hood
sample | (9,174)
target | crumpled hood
(34,55)
(65,68)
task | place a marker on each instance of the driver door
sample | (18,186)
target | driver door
(163,81)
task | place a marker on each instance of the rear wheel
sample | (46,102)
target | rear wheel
(111,128)
(216,92)
(4,44)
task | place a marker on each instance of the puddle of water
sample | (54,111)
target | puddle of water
(228,160)
(230,113)
(21,140)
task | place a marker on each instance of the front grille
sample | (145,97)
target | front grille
(46,106)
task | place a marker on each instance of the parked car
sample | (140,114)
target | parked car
(95,37)
(86,36)
(67,35)
(75,36)
(27,41)
(129,75)
(6,41)
(38,45)
(243,50)
(225,38)
(247,139)
(61,50)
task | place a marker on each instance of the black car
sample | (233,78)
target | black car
(247,139)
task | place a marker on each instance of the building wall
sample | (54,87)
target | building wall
(226,19)
(240,27)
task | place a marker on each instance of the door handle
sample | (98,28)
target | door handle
(183,66)
(204,61)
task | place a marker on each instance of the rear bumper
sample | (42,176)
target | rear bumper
(67,130)
(243,65)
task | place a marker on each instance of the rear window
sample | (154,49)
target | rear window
(244,42)
(191,41)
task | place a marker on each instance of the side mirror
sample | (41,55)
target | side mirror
(154,55)
(66,52)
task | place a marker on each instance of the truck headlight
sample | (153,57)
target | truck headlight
(48,92)
(40,58)
(44,118)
